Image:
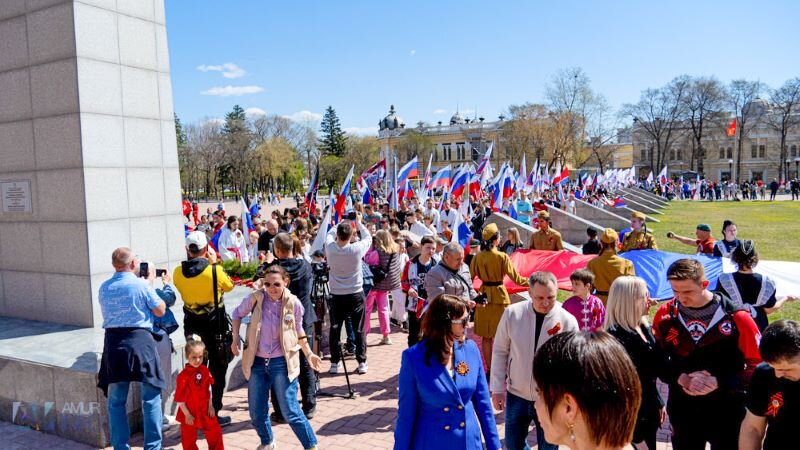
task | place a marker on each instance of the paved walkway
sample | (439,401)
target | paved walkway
(365,422)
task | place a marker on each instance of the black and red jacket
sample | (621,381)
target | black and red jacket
(728,349)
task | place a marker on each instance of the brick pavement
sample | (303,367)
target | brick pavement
(365,422)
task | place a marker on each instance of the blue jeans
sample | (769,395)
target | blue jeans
(519,414)
(270,374)
(118,416)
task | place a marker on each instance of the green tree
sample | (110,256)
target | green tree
(235,121)
(332,139)
(180,133)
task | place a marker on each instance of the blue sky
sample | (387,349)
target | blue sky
(428,57)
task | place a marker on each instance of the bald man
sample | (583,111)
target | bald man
(265,240)
(128,304)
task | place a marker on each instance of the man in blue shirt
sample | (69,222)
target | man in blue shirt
(128,304)
(524,208)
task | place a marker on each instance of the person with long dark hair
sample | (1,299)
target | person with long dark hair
(756,292)
(589,393)
(444,397)
(725,246)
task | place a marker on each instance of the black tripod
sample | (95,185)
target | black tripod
(320,296)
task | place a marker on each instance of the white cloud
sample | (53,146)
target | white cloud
(229,70)
(361,131)
(215,121)
(228,91)
(440,111)
(304,116)
(412,52)
(251,112)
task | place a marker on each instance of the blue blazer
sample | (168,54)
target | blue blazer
(435,411)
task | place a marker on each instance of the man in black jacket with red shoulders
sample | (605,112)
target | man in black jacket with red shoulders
(712,345)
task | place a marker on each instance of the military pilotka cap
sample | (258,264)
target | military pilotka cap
(609,236)
(638,215)
(489,231)
(704,227)
(543,215)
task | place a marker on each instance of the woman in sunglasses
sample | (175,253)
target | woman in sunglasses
(271,356)
(444,398)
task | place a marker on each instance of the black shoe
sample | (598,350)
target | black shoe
(276,418)
(224,421)
(310,413)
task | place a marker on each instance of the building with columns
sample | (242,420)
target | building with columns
(462,140)
(760,159)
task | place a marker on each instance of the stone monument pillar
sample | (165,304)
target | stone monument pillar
(88,158)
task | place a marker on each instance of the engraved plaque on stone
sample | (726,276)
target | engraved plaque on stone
(16,196)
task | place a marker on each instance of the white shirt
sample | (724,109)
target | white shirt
(449,216)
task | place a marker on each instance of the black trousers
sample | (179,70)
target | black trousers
(341,308)
(414,326)
(217,364)
(307,380)
(713,419)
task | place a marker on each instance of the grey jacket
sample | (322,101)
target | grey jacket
(441,280)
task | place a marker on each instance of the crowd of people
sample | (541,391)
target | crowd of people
(583,372)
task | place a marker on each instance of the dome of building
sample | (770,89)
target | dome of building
(757,107)
(392,121)
(456,119)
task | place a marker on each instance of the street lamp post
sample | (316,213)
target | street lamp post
(730,170)
(788,162)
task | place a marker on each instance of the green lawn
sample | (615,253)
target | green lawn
(772,225)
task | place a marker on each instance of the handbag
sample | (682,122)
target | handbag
(224,336)
(379,273)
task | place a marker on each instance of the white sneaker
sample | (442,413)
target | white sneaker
(334,369)
(386,340)
(272,446)
(362,368)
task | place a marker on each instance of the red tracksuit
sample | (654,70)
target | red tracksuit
(194,390)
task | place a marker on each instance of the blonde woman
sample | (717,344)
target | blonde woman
(385,264)
(626,320)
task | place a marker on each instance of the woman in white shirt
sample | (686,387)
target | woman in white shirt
(232,243)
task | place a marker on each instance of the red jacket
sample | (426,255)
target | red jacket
(193,387)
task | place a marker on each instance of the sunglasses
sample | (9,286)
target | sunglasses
(275,285)
(459,321)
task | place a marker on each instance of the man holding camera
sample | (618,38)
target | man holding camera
(344,255)
(130,353)
(299,271)
(195,281)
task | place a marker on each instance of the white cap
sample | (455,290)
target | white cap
(196,238)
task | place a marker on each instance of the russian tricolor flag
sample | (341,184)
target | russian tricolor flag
(459,182)
(409,170)
(441,179)
(341,200)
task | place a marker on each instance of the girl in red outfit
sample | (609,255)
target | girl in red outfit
(193,396)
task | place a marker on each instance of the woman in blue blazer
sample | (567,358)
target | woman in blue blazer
(444,398)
